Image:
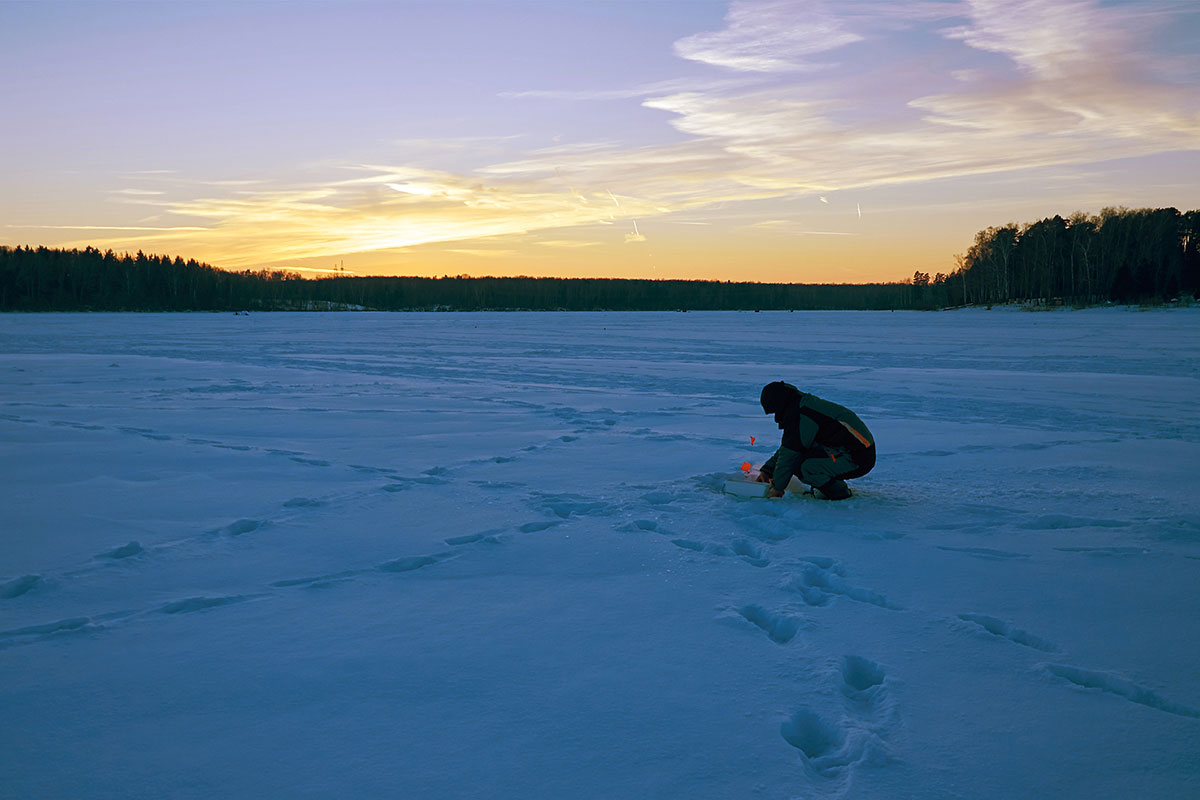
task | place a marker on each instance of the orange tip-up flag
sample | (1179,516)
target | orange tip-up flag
(752,441)
(746,467)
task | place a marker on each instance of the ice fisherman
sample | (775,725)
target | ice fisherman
(823,444)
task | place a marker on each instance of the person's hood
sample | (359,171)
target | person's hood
(779,398)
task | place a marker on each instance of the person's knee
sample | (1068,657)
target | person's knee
(817,471)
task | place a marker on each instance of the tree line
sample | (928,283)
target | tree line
(48,279)
(1122,255)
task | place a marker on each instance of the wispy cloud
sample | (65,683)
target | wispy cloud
(481,253)
(630,92)
(795,228)
(567,243)
(999,86)
(778,36)
(111,227)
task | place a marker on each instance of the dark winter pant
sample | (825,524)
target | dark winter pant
(819,465)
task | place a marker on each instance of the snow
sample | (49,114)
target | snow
(488,555)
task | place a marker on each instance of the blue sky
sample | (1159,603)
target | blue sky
(780,140)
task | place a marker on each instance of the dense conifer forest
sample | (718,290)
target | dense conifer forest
(1121,255)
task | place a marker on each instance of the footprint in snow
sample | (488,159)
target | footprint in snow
(1055,522)
(410,563)
(19,586)
(1112,684)
(829,749)
(1107,551)
(491,537)
(1003,630)
(317,581)
(241,527)
(124,551)
(191,604)
(304,502)
(566,506)
(779,628)
(825,748)
(35,633)
(862,680)
(401,484)
(817,585)
(748,552)
(983,552)
(533,527)
(369,470)
(404,564)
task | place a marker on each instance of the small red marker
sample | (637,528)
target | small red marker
(751,441)
(746,467)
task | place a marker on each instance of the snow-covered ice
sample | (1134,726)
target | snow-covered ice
(488,555)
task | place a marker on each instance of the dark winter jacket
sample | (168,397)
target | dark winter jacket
(813,427)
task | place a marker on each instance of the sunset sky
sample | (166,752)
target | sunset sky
(786,140)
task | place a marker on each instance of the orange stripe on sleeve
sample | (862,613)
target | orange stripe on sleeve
(862,439)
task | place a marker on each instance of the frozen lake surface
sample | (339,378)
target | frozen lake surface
(487,555)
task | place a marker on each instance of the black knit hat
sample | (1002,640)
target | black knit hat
(776,396)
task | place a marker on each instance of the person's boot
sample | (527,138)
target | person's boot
(836,489)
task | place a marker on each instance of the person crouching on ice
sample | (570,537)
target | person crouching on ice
(823,443)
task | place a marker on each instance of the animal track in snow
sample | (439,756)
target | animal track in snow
(1112,684)
(1000,628)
